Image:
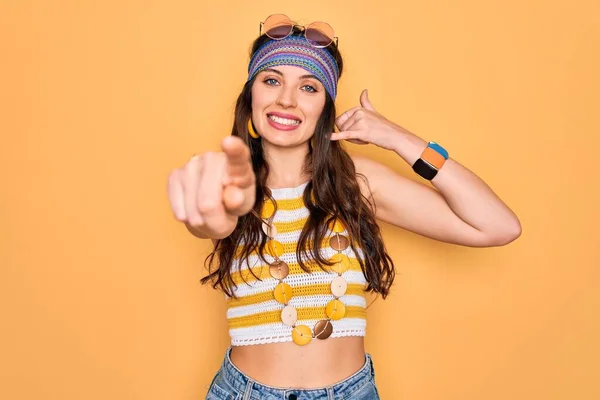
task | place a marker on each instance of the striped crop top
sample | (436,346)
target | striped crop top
(254,317)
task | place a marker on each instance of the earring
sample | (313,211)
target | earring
(251,130)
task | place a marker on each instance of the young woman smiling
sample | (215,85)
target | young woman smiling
(293,218)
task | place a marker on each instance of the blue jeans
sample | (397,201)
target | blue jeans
(231,384)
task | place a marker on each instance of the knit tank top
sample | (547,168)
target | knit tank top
(254,317)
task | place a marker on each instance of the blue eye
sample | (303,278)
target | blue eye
(271,81)
(311,89)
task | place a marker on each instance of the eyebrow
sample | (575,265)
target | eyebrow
(281,74)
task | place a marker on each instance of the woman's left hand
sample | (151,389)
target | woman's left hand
(363,124)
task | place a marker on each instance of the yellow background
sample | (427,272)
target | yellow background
(99,292)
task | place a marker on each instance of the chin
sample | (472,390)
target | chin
(284,138)
(285,142)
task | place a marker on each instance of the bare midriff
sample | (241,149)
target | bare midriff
(286,365)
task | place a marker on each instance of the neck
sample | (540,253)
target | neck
(286,165)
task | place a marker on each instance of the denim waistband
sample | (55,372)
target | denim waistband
(244,384)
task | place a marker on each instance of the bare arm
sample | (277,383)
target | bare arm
(464,210)
(461,208)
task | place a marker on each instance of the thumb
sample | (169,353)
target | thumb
(365,102)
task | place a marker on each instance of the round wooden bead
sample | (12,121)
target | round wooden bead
(269,229)
(283,293)
(301,335)
(289,315)
(342,263)
(339,286)
(279,270)
(274,248)
(323,329)
(268,209)
(335,309)
(336,226)
(339,242)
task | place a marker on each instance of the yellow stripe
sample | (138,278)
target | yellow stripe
(286,227)
(263,272)
(305,290)
(290,204)
(304,313)
(287,247)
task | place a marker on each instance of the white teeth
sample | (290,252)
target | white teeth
(283,121)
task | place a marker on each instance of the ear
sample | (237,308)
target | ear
(365,102)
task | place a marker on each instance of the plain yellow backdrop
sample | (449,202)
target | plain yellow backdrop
(99,292)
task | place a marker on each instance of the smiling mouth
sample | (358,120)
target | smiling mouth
(283,121)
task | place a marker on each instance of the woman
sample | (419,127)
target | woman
(293,220)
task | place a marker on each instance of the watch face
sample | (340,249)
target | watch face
(424,169)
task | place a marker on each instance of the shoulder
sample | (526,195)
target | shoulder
(372,171)
(364,164)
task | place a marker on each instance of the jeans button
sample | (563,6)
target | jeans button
(292,397)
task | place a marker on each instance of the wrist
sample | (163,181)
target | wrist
(431,161)
(425,158)
(409,147)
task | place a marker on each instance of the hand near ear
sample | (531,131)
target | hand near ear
(363,124)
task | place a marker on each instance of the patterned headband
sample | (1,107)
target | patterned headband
(297,51)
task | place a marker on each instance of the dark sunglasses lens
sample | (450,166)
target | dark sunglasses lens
(279,32)
(319,34)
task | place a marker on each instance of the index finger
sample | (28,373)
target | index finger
(339,121)
(236,151)
(239,165)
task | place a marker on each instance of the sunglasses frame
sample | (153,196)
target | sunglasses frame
(294,25)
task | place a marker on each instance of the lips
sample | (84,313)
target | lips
(284,115)
(282,125)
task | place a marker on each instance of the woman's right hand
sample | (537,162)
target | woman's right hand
(213,189)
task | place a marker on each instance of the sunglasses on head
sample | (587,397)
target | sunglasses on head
(279,26)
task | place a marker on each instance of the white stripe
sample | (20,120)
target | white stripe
(298,302)
(278,332)
(288,193)
(318,277)
(291,215)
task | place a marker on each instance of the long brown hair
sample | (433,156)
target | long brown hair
(335,195)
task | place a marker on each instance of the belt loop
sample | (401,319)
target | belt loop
(330,393)
(248,390)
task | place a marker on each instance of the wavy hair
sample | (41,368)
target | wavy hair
(332,193)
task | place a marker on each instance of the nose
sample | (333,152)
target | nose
(287,97)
